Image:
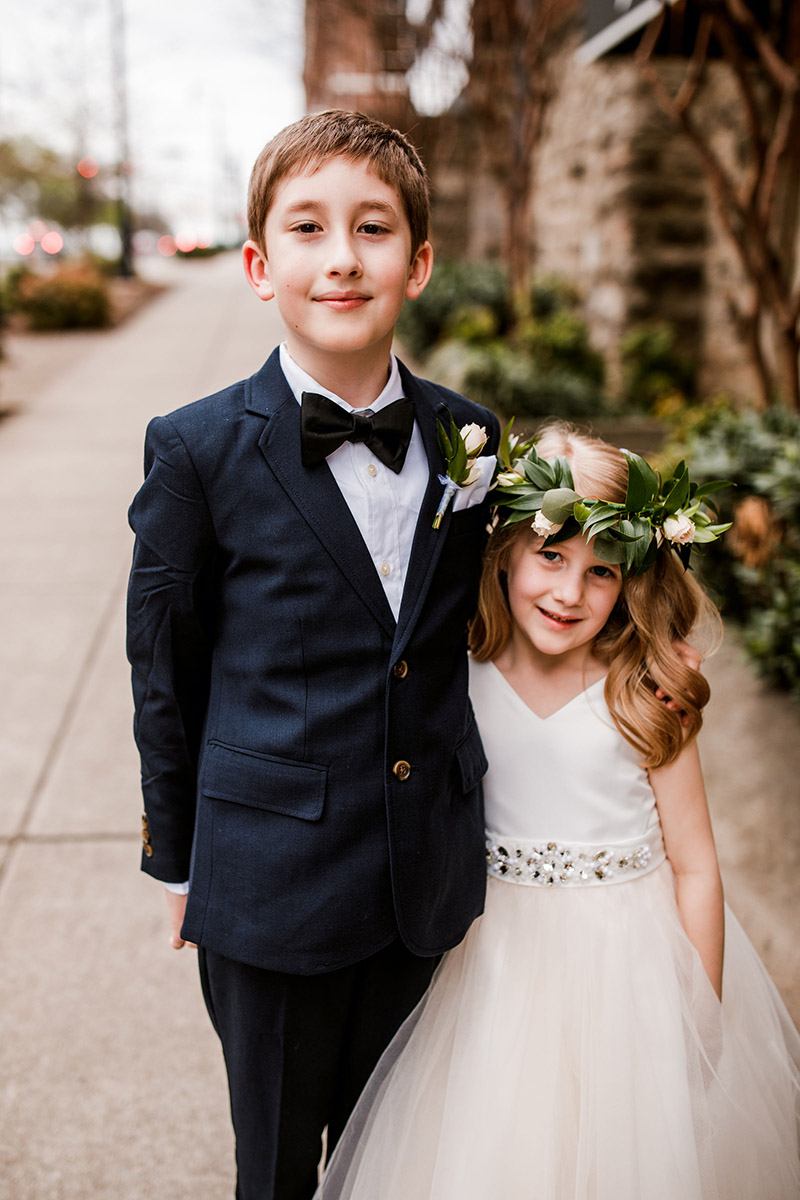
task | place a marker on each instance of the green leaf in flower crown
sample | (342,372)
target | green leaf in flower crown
(504,449)
(539,473)
(558,503)
(642,483)
(563,474)
(643,534)
(650,556)
(581,512)
(677,489)
(603,517)
(709,533)
(609,551)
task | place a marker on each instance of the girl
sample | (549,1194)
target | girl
(574,1046)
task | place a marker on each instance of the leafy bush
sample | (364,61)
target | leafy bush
(559,342)
(652,368)
(538,363)
(754,570)
(70,298)
(453,287)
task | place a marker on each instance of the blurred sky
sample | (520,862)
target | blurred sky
(208,83)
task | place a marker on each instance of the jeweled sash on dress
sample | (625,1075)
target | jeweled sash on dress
(554,864)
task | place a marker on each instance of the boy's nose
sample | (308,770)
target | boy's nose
(343,258)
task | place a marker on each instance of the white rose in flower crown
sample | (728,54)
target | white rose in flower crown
(475,438)
(509,478)
(540,524)
(679,529)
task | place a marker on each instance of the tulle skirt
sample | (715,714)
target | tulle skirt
(572,1048)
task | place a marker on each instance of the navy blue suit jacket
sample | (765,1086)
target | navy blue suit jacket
(275,692)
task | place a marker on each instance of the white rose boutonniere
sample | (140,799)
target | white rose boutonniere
(460,448)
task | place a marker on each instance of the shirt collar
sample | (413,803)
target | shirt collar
(300,381)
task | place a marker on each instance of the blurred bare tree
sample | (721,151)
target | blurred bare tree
(510,85)
(759,206)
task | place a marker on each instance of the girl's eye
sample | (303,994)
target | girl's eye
(603,572)
(550,555)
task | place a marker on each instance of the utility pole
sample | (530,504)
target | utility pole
(124,226)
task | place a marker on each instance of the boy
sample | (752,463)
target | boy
(297,632)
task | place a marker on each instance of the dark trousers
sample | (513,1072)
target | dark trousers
(298,1051)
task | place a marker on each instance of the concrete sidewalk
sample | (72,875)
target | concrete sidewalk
(111,1079)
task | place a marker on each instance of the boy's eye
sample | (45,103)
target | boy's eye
(372,228)
(306,227)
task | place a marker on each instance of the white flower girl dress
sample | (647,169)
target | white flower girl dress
(572,1047)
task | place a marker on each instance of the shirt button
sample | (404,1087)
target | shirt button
(385,569)
(372,470)
(402,769)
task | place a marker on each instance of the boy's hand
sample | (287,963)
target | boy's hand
(176,907)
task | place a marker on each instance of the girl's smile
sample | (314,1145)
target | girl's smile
(560,597)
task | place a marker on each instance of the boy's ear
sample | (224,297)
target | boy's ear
(256,268)
(420,272)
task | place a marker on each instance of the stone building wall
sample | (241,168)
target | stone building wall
(621,207)
(620,201)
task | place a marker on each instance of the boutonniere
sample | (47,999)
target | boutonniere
(460,448)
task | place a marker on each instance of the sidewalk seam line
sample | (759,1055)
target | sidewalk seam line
(66,719)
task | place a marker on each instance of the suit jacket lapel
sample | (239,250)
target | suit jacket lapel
(313,490)
(428,542)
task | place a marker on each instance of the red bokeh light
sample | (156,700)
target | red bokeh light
(167,245)
(24,244)
(52,242)
(186,242)
(88,168)
(203,243)
(37,230)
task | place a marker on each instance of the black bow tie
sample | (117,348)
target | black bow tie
(325,426)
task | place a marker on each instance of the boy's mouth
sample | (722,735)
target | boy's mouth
(343,300)
(557,619)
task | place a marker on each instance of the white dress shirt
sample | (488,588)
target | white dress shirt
(385,506)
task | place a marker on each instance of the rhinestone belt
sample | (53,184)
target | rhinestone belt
(553,864)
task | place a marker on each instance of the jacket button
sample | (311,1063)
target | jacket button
(148,849)
(400,669)
(402,769)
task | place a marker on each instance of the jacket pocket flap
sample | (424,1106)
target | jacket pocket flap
(471,758)
(261,781)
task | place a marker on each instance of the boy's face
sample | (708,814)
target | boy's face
(339,263)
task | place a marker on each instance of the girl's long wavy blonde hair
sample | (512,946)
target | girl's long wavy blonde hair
(654,610)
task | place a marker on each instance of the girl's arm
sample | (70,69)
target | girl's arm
(686,824)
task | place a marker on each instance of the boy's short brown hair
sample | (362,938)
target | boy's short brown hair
(314,139)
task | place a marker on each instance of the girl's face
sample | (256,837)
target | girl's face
(560,597)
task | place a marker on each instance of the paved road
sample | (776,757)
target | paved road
(111,1081)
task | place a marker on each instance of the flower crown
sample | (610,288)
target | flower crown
(672,511)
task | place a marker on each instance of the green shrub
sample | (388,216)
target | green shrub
(453,287)
(754,571)
(559,342)
(500,377)
(13,281)
(652,368)
(70,298)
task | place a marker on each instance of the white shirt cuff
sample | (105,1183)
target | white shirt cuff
(179,889)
